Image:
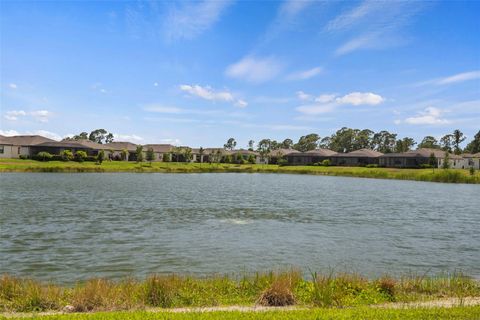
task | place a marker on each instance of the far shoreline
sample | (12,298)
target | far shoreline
(427,175)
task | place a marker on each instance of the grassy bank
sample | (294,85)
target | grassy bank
(437,175)
(268,289)
(464,313)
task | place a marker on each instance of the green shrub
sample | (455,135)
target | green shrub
(80,156)
(472,171)
(101,156)
(282,162)
(326,163)
(426,166)
(44,156)
(23,156)
(372,165)
(251,159)
(66,155)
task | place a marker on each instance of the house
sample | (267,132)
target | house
(360,157)
(279,154)
(56,147)
(159,150)
(246,155)
(309,157)
(116,149)
(16,146)
(423,156)
(472,160)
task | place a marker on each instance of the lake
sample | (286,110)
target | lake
(68,227)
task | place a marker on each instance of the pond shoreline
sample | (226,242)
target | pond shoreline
(428,175)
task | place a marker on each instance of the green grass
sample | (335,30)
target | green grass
(272,288)
(464,313)
(437,175)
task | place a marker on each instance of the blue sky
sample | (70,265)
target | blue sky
(197,73)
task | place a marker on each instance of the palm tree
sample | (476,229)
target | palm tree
(457,139)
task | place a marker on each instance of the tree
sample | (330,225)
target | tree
(81,136)
(100,156)
(429,142)
(307,143)
(97,135)
(66,155)
(287,144)
(150,155)
(109,138)
(446,142)
(251,143)
(166,157)
(363,139)
(474,145)
(446,161)
(458,138)
(201,151)
(432,160)
(124,155)
(231,144)
(404,145)
(80,156)
(187,154)
(384,141)
(264,147)
(139,153)
(325,143)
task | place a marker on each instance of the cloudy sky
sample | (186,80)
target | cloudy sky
(197,73)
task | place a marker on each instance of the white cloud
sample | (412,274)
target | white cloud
(38,115)
(325,98)
(361,98)
(304,96)
(326,103)
(9,133)
(41,115)
(255,70)
(241,103)
(163,109)
(429,116)
(193,19)
(374,24)
(207,93)
(305,74)
(155,84)
(12,86)
(312,109)
(456,78)
(127,137)
(48,134)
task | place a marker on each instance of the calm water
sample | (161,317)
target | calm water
(66,227)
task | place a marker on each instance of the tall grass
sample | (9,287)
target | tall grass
(270,289)
(437,175)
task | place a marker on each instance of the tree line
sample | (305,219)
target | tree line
(348,139)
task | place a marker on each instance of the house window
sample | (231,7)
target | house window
(2,149)
(19,150)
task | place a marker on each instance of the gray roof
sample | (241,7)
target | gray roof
(162,148)
(26,140)
(62,144)
(89,144)
(282,152)
(119,146)
(426,152)
(362,153)
(242,152)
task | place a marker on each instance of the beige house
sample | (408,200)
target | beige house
(159,150)
(16,146)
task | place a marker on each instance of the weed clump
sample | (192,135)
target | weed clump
(279,293)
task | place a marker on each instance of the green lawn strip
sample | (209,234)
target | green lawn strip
(464,313)
(437,175)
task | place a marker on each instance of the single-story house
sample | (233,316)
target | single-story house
(472,160)
(17,146)
(246,154)
(159,150)
(56,147)
(279,154)
(360,157)
(118,147)
(309,157)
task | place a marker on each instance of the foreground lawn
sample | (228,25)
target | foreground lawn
(465,313)
(437,175)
